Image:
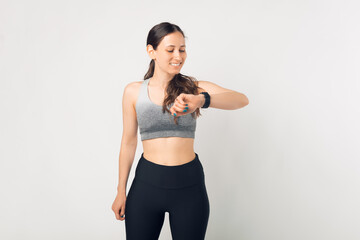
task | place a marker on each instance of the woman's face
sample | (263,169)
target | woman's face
(170,54)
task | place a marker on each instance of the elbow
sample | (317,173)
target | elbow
(244,101)
(247,102)
(130,140)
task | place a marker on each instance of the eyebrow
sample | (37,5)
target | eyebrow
(174,46)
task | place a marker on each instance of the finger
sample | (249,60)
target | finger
(122,215)
(173,112)
(117,215)
(179,110)
(180,107)
(183,107)
(175,109)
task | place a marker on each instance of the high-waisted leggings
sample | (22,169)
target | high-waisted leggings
(179,190)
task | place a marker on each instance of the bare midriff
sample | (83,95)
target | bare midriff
(169,151)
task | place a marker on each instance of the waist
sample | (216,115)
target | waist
(175,176)
(169,151)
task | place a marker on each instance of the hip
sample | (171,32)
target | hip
(174,176)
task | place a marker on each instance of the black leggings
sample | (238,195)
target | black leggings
(179,190)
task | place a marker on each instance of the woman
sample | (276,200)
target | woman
(169,175)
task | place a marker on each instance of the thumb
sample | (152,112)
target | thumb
(117,215)
(122,212)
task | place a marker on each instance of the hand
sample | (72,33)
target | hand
(187,101)
(119,206)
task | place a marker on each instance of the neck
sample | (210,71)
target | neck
(161,79)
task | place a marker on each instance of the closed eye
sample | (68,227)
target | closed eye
(179,50)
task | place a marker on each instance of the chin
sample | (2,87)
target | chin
(174,72)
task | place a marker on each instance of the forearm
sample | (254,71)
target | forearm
(226,100)
(126,159)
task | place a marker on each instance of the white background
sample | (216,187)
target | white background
(285,167)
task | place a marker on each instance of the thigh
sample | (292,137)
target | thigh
(189,212)
(144,216)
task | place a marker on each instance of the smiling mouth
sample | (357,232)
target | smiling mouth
(175,64)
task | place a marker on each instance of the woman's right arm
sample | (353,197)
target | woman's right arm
(128,146)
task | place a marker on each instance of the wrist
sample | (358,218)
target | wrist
(207,99)
(121,190)
(202,100)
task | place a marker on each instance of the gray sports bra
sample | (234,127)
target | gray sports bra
(153,123)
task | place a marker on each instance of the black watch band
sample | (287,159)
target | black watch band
(207,99)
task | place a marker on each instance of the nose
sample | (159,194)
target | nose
(177,55)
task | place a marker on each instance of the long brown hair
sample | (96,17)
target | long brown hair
(180,83)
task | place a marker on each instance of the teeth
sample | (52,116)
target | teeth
(175,64)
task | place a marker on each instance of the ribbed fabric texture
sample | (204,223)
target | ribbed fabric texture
(153,123)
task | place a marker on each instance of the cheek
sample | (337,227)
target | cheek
(166,59)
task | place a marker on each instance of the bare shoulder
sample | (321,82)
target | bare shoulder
(211,88)
(131,92)
(133,85)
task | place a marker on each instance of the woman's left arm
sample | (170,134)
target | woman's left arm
(222,98)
